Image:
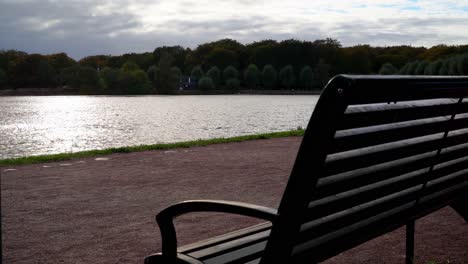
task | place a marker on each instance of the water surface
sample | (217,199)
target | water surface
(35,125)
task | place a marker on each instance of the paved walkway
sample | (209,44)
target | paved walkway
(101,210)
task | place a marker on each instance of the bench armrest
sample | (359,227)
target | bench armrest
(166,216)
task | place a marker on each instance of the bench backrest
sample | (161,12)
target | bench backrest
(378,152)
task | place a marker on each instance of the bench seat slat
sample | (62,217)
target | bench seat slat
(230,245)
(187,249)
(363,116)
(355,139)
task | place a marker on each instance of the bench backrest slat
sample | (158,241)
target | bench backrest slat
(378,152)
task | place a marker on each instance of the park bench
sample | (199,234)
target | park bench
(378,153)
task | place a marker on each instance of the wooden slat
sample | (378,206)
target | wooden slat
(363,116)
(187,249)
(375,191)
(230,246)
(241,255)
(324,225)
(388,152)
(355,179)
(360,138)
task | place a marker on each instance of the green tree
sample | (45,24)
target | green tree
(215,74)
(110,77)
(230,73)
(197,73)
(433,68)
(269,77)
(252,76)
(286,76)
(463,65)
(444,68)
(85,79)
(47,77)
(412,66)
(233,84)
(3,79)
(168,82)
(387,69)
(153,74)
(453,65)
(130,66)
(306,77)
(421,67)
(60,61)
(206,84)
(321,73)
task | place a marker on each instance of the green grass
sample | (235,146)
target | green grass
(185,144)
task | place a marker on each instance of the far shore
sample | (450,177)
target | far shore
(72,91)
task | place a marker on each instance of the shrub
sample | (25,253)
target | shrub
(269,76)
(252,76)
(286,76)
(215,74)
(230,73)
(387,69)
(197,73)
(233,84)
(206,84)
(3,79)
(307,77)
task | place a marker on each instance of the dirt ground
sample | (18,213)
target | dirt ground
(101,210)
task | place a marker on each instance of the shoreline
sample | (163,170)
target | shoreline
(71,92)
(129,149)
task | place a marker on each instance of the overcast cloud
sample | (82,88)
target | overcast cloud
(85,27)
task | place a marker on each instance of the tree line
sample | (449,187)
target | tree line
(225,64)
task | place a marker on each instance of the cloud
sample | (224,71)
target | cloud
(87,27)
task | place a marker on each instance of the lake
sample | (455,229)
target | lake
(36,125)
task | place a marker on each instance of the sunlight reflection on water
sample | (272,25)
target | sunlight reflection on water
(55,124)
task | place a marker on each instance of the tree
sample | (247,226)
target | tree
(252,76)
(167,81)
(85,79)
(421,67)
(444,68)
(60,61)
(306,77)
(387,69)
(433,68)
(47,77)
(286,76)
(110,77)
(269,77)
(197,73)
(153,73)
(233,84)
(215,74)
(321,73)
(206,84)
(453,65)
(230,73)
(3,79)
(130,66)
(463,65)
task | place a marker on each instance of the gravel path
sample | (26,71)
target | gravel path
(101,210)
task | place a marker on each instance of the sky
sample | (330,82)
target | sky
(85,27)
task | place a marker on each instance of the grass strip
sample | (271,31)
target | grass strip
(185,144)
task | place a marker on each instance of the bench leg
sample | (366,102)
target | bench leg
(461,207)
(410,242)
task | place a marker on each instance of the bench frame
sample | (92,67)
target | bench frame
(340,92)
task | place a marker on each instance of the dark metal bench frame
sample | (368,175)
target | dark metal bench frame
(313,190)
